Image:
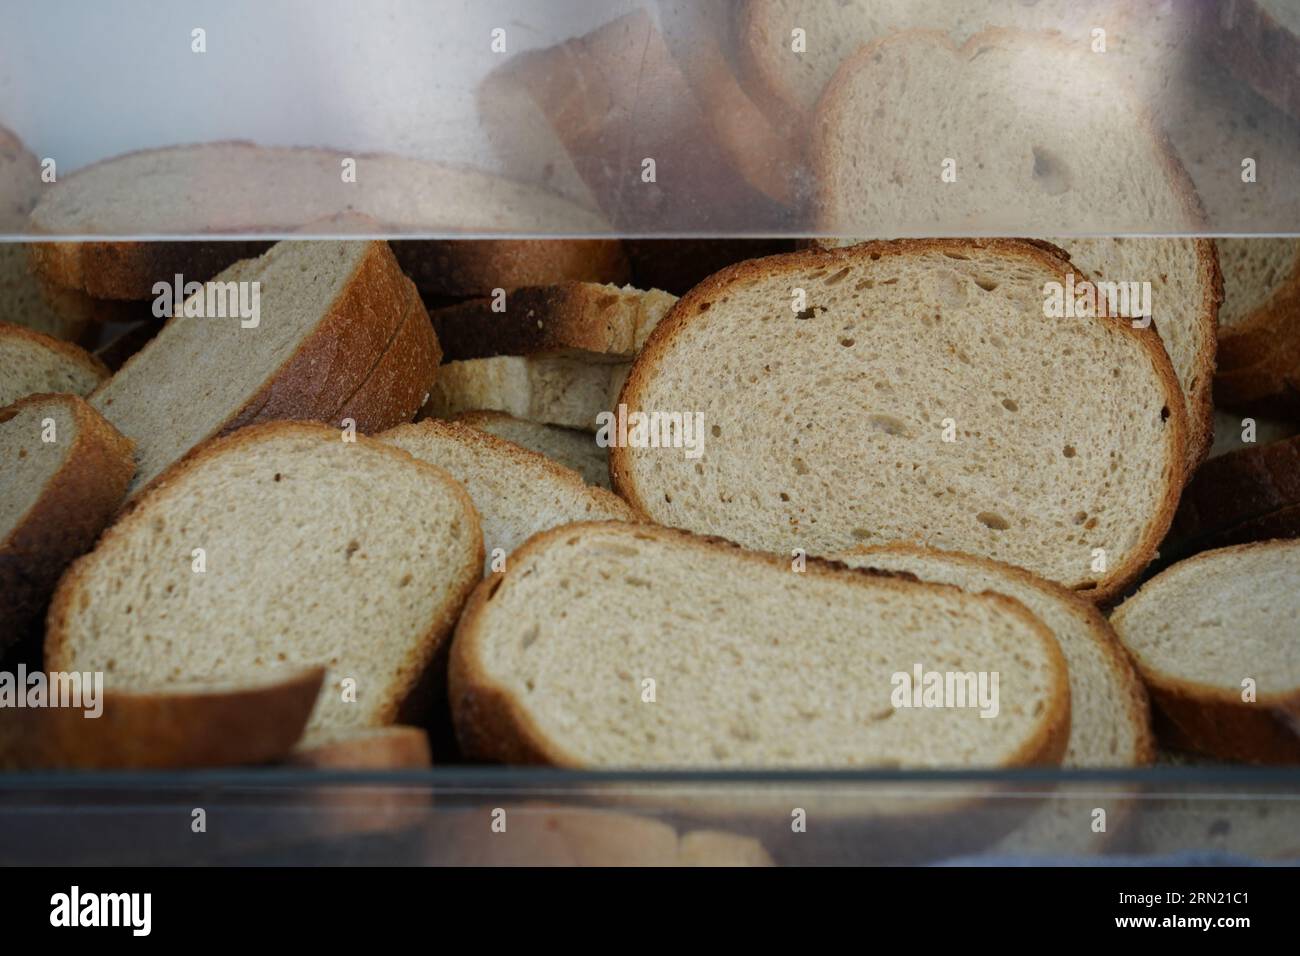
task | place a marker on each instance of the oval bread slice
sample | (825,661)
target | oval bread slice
(1203,628)
(32,363)
(314,550)
(920,395)
(617,645)
(65,470)
(254,720)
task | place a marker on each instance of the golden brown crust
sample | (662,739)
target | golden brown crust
(491,724)
(1135,706)
(475,267)
(1212,719)
(1044,254)
(547,318)
(165,728)
(65,350)
(399,383)
(410,677)
(386,748)
(76,503)
(834,97)
(342,349)
(129,269)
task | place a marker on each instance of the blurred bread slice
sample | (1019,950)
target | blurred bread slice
(370,748)
(476,267)
(1259,338)
(20,183)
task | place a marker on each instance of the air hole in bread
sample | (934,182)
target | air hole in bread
(1050,172)
(848,343)
(860,534)
(352,547)
(1164,413)
(988,285)
(1068,451)
(800,467)
(992,520)
(837,277)
(889,425)
(716,430)
(956,255)
(530,636)
(1010,405)
(704,306)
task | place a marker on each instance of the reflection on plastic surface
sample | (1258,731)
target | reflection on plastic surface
(874,118)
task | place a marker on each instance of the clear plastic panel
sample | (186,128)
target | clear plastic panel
(873,118)
(509,817)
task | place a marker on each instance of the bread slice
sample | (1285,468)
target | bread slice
(1259,342)
(1109,721)
(879,160)
(1252,494)
(1186,290)
(678,265)
(128,270)
(517,492)
(23,300)
(329,311)
(65,471)
(567,446)
(568,686)
(31,363)
(1259,40)
(398,386)
(346,554)
(584,316)
(563,390)
(583,116)
(370,748)
(825,429)
(551,834)
(476,267)
(253,720)
(237,188)
(1230,432)
(1200,629)
(20,183)
(788,82)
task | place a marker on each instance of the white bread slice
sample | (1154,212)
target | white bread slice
(517,492)
(568,446)
(1200,629)
(1186,290)
(305,564)
(329,311)
(253,720)
(31,363)
(20,183)
(1109,721)
(475,267)
(564,389)
(533,681)
(55,498)
(369,748)
(904,104)
(582,116)
(586,316)
(825,429)
(1259,340)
